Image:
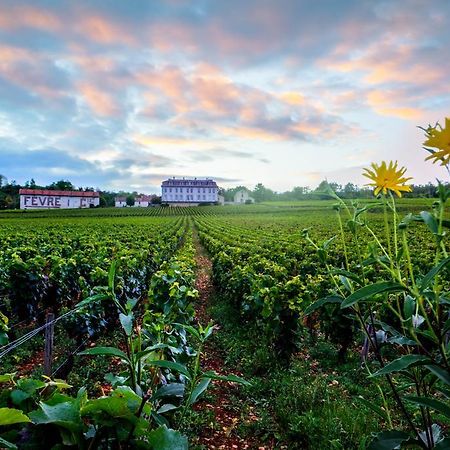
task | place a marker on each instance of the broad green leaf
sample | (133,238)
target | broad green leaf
(4,339)
(7,377)
(323,301)
(164,438)
(122,403)
(388,440)
(441,373)
(106,351)
(10,416)
(171,365)
(432,403)
(402,363)
(376,409)
(115,380)
(428,278)
(409,307)
(7,445)
(170,390)
(127,322)
(30,385)
(430,221)
(166,408)
(367,292)
(199,389)
(18,396)
(66,415)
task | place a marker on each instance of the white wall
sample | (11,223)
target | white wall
(189,194)
(56,202)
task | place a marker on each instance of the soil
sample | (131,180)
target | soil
(223,433)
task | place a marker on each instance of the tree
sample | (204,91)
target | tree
(130,200)
(263,194)
(61,185)
(351,190)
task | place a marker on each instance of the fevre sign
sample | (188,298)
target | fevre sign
(47,199)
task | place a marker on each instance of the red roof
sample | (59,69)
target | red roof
(143,198)
(49,192)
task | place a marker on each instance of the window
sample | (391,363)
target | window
(204,197)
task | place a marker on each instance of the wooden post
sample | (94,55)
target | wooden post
(48,350)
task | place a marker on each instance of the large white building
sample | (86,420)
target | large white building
(48,199)
(189,192)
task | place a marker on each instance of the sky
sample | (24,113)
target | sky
(123,94)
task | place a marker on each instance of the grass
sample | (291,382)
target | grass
(311,404)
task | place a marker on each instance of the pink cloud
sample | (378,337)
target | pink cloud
(99,101)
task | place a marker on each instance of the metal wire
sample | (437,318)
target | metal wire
(26,337)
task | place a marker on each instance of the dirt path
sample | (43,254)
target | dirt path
(223,434)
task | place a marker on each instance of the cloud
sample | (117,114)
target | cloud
(130,88)
(218,153)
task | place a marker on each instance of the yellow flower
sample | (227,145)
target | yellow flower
(439,138)
(388,177)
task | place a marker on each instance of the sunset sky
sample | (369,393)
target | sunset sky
(122,94)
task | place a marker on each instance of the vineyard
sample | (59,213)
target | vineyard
(300,339)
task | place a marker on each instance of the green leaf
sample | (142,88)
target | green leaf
(348,274)
(171,365)
(122,403)
(199,389)
(18,396)
(170,390)
(409,307)
(189,328)
(66,415)
(164,438)
(323,301)
(402,363)
(112,275)
(441,373)
(443,445)
(7,377)
(432,403)
(428,278)
(371,290)
(127,322)
(10,416)
(6,444)
(376,409)
(91,299)
(388,440)
(106,351)
(430,221)
(166,408)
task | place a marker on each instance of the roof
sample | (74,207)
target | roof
(189,182)
(143,198)
(53,193)
(120,199)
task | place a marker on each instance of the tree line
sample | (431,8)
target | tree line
(262,193)
(9,192)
